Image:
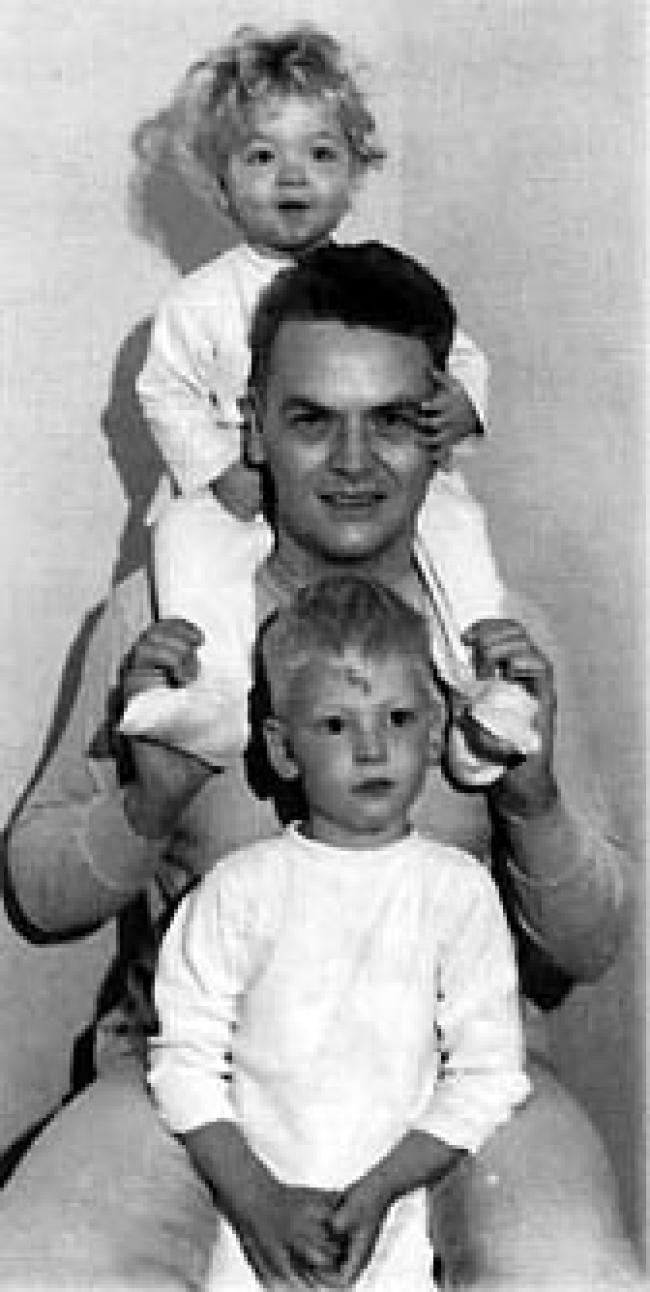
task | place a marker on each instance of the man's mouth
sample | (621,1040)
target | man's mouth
(353,499)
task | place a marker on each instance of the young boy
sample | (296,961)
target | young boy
(338,1006)
(282,128)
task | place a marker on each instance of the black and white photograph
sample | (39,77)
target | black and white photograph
(322,767)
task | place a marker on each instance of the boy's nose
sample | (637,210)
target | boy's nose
(292,170)
(371,745)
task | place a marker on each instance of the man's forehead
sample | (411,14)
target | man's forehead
(332,362)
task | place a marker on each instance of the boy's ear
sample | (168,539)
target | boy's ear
(221,194)
(252,429)
(437,727)
(278,749)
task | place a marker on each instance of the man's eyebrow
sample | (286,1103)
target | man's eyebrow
(400,404)
(406,403)
(303,404)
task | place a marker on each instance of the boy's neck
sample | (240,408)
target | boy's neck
(334,835)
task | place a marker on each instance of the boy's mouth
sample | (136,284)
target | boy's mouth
(293,204)
(374,787)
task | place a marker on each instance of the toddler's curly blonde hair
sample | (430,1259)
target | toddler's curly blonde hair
(220,88)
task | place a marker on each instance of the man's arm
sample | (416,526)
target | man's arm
(564,878)
(84,841)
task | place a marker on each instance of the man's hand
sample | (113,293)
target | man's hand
(446,417)
(502,647)
(165,779)
(287,1236)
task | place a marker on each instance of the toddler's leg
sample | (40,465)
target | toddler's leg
(538,1208)
(106,1199)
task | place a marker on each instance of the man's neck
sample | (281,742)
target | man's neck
(293,567)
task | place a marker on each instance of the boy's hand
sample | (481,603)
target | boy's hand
(286,1234)
(446,417)
(356,1222)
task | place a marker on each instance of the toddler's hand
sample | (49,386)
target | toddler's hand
(446,417)
(239,490)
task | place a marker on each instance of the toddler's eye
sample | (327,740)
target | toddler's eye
(403,717)
(333,724)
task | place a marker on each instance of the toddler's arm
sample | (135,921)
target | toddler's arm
(196,425)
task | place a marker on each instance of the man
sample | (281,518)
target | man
(341,356)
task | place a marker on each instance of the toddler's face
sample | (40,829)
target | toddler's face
(361,734)
(289,177)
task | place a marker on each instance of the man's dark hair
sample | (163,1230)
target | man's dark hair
(367,285)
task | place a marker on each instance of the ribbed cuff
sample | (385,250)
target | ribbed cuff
(118,857)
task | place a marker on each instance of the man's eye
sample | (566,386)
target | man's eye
(393,424)
(403,717)
(310,424)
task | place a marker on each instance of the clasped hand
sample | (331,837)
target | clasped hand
(311,1238)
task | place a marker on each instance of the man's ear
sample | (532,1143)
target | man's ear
(249,406)
(278,749)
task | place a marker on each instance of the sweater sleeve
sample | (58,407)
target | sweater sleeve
(189,394)
(565,877)
(205,963)
(72,859)
(481,1076)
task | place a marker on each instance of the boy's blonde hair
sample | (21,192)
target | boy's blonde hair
(340,615)
(219,90)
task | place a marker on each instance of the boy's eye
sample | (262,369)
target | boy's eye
(259,156)
(403,717)
(324,153)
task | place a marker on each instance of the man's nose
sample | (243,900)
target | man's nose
(352,449)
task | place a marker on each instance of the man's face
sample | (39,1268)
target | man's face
(339,439)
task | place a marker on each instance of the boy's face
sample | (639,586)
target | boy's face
(289,178)
(360,735)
